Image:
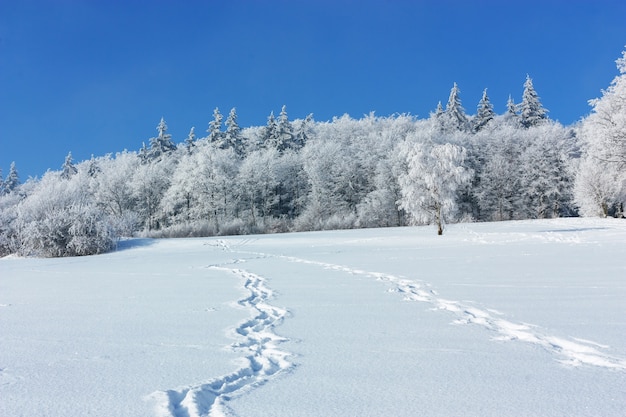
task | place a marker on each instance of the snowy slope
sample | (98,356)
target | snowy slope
(494,319)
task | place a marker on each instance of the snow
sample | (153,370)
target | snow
(490,319)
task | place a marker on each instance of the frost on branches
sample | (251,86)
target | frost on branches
(429,188)
(300,175)
(601,181)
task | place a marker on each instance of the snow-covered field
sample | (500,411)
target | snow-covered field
(496,319)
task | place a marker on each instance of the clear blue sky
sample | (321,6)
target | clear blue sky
(95,76)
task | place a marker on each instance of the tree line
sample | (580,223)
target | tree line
(299,175)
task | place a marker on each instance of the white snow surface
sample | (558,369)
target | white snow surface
(522,318)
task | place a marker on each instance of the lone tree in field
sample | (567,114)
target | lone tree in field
(429,187)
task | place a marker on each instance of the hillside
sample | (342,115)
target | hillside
(492,319)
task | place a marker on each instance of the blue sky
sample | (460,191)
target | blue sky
(95,77)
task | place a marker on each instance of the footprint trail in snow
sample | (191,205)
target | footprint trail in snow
(261,358)
(574,352)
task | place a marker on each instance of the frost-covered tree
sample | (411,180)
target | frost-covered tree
(603,132)
(190,141)
(510,116)
(498,187)
(546,180)
(68,168)
(429,187)
(257,184)
(203,189)
(150,182)
(94,169)
(605,129)
(12,180)
(484,114)
(113,191)
(269,134)
(531,111)
(598,190)
(59,219)
(454,115)
(284,131)
(438,118)
(144,153)
(232,137)
(215,128)
(334,185)
(303,132)
(379,207)
(161,144)
(9,231)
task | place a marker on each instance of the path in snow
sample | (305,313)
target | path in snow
(573,352)
(261,358)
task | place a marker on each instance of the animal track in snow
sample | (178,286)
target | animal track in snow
(261,358)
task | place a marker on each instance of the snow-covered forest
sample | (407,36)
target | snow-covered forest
(302,174)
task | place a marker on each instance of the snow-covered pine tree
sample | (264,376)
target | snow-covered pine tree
(484,114)
(284,131)
(545,180)
(455,114)
(438,117)
(510,116)
(232,136)
(531,111)
(68,169)
(303,132)
(269,134)
(144,153)
(94,169)
(498,188)
(190,141)
(215,126)
(12,180)
(161,144)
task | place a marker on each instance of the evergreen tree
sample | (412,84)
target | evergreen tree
(215,126)
(144,153)
(94,168)
(510,116)
(68,169)
(232,136)
(439,117)
(190,142)
(284,131)
(162,144)
(485,112)
(439,110)
(303,132)
(498,188)
(1,183)
(13,179)
(531,111)
(454,113)
(269,135)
